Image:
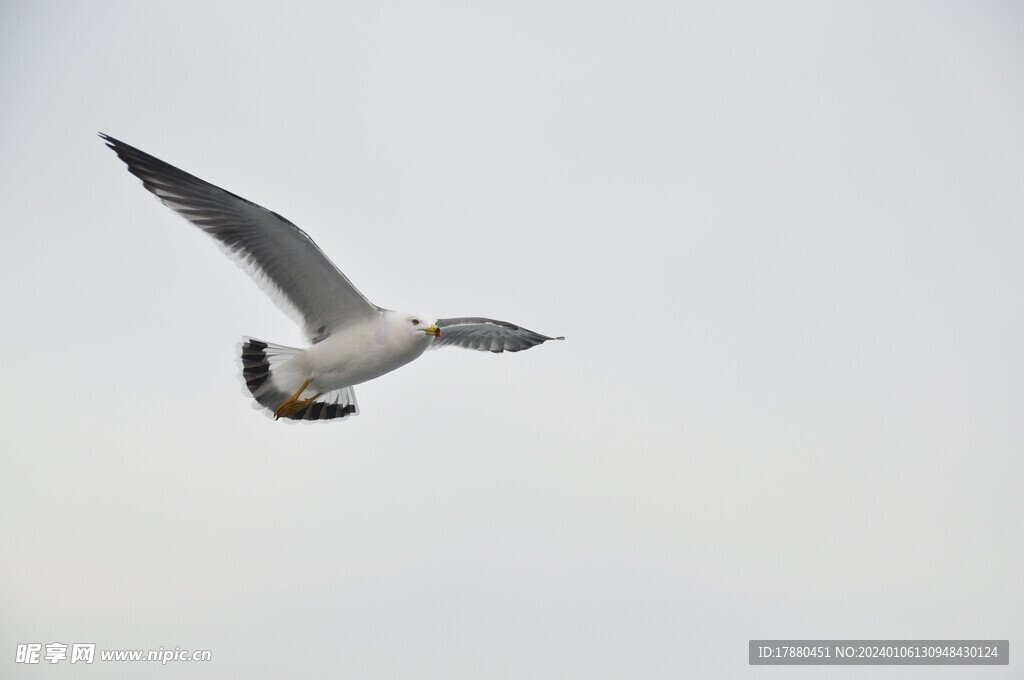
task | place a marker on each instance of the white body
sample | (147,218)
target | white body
(354,354)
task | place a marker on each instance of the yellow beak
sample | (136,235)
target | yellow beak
(434,330)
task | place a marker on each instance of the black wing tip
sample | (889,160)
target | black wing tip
(124,150)
(108,140)
(120,148)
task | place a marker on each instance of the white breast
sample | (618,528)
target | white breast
(362,352)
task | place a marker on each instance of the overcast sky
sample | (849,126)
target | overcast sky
(784,241)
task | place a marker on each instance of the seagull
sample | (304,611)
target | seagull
(351,339)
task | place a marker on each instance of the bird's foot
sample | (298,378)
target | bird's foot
(293,404)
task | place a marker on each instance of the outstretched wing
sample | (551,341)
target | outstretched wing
(282,259)
(486,335)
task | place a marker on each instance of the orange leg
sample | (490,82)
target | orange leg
(293,404)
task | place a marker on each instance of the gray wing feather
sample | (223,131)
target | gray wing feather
(486,335)
(279,256)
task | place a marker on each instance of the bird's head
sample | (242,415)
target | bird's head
(421,326)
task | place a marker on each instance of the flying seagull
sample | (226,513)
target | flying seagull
(351,339)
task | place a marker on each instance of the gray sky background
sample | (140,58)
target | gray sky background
(784,242)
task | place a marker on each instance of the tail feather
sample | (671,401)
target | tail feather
(259,360)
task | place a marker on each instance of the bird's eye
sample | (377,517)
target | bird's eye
(415,322)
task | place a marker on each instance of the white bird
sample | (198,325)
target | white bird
(351,339)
